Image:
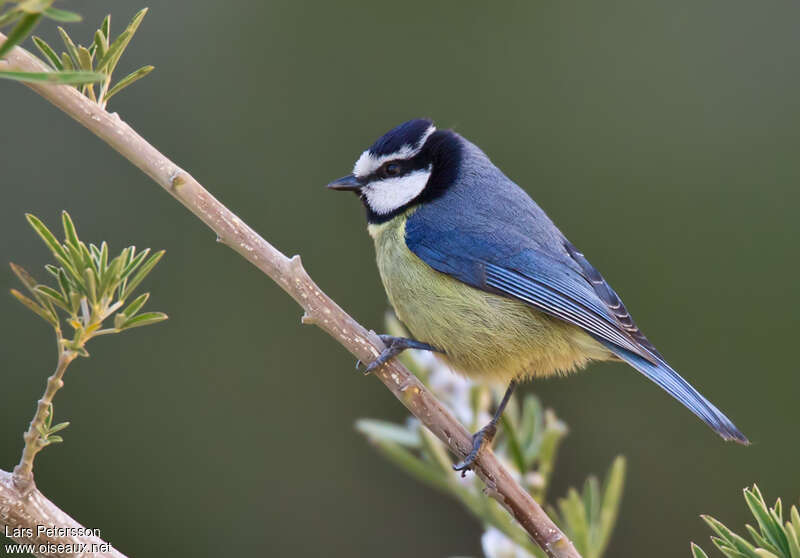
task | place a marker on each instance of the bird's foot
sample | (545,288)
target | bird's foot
(481,439)
(395,346)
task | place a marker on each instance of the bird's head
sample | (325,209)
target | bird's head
(407,165)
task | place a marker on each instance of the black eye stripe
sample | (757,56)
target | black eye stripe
(406,166)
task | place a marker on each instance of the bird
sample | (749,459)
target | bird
(480,275)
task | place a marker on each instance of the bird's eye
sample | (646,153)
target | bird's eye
(392,169)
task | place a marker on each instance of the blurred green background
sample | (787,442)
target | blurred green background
(662,137)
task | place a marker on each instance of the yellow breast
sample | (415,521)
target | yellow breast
(483,335)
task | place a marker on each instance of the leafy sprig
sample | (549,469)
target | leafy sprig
(100,57)
(24,16)
(47,430)
(78,65)
(588,518)
(775,537)
(88,287)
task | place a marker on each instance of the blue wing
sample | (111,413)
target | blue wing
(562,284)
(535,277)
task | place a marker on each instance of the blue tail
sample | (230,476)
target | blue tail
(677,387)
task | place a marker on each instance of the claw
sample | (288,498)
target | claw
(395,346)
(373,365)
(485,435)
(480,439)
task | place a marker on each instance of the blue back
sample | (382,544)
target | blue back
(484,230)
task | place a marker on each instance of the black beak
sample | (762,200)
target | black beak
(346,183)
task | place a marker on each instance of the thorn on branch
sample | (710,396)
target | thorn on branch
(308,319)
(175,179)
(296,264)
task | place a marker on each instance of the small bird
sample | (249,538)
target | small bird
(480,274)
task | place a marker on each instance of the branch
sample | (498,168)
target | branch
(319,309)
(35,441)
(29,509)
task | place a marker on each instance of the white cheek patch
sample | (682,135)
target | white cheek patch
(384,196)
(369,163)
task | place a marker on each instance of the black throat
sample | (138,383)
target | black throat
(442,152)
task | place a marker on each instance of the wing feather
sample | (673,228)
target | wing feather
(528,275)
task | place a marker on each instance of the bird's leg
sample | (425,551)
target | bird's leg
(485,435)
(395,346)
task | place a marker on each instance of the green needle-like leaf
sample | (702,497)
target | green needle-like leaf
(734,540)
(115,50)
(35,308)
(65,77)
(513,442)
(47,236)
(63,282)
(30,283)
(48,52)
(19,32)
(434,450)
(74,279)
(758,538)
(531,425)
(34,6)
(133,263)
(76,258)
(425,472)
(127,254)
(66,61)
(87,257)
(100,44)
(103,256)
(48,419)
(25,278)
(145,319)
(612,497)
(63,16)
(128,80)
(105,28)
(70,233)
(794,541)
(591,503)
(697,552)
(54,296)
(72,50)
(574,514)
(772,532)
(146,268)
(110,277)
(10,17)
(85,58)
(91,283)
(95,252)
(135,306)
(58,427)
(379,430)
(75,298)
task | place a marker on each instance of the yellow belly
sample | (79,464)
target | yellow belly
(483,335)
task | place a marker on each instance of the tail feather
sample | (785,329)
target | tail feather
(680,389)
